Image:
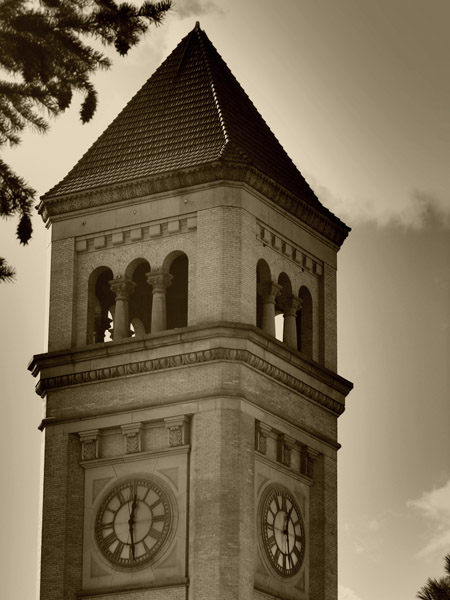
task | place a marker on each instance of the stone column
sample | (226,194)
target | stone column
(268,290)
(101,324)
(122,288)
(160,281)
(290,305)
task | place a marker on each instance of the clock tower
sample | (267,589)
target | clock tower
(190,381)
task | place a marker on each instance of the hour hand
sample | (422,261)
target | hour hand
(286,525)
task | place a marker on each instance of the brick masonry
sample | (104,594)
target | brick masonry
(224,230)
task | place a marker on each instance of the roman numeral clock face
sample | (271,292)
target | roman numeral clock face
(283,531)
(133,522)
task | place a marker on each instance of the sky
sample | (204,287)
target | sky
(358,93)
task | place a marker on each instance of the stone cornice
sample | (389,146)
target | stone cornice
(188,359)
(318,218)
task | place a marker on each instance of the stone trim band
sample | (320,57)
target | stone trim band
(192,358)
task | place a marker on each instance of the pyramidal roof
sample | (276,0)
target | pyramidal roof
(192,112)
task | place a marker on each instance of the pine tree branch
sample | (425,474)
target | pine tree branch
(7,273)
(16,198)
(45,50)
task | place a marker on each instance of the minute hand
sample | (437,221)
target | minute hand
(131,522)
(286,529)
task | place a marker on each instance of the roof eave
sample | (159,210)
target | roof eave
(319,218)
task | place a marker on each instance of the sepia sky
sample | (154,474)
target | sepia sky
(358,93)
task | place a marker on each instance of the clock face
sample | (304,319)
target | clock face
(283,531)
(133,522)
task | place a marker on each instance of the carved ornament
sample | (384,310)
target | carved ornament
(192,358)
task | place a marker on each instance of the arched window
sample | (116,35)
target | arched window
(177,292)
(140,301)
(305,323)
(100,306)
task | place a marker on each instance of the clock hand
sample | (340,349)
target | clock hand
(132,539)
(286,529)
(288,516)
(131,522)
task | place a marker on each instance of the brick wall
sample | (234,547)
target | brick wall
(62,519)
(62,294)
(222,508)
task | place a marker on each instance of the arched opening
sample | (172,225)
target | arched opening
(286,290)
(140,301)
(177,293)
(100,306)
(305,323)
(263,275)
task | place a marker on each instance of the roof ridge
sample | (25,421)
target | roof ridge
(209,70)
(187,39)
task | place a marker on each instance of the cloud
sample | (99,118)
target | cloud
(374,525)
(417,210)
(364,536)
(345,593)
(196,8)
(435,507)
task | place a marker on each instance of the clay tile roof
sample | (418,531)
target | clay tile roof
(191,112)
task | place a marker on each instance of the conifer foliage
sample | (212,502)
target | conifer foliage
(46,57)
(437,589)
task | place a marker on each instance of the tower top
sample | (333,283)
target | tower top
(192,114)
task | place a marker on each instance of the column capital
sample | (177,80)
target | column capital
(159,280)
(269,290)
(122,287)
(290,304)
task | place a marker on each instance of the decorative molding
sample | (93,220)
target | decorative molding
(178,430)
(191,358)
(90,444)
(136,234)
(307,458)
(132,437)
(317,217)
(293,253)
(261,433)
(284,450)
